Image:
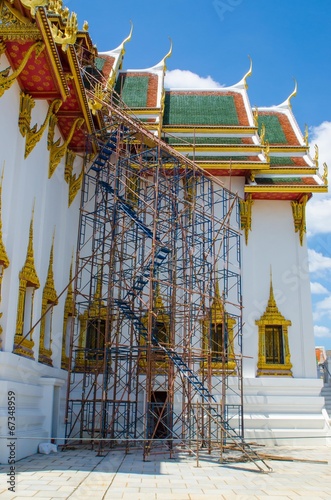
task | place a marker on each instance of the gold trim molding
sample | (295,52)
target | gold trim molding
(32,135)
(56,150)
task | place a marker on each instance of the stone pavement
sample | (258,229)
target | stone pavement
(82,474)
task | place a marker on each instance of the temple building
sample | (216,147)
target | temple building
(153,254)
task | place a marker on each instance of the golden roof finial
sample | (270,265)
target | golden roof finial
(168,54)
(249,72)
(293,94)
(127,39)
(287,102)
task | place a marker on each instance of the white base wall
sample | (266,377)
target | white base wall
(38,390)
(285,411)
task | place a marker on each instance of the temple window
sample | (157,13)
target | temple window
(49,300)
(28,284)
(95,337)
(274,355)
(68,323)
(217,337)
(92,333)
(274,351)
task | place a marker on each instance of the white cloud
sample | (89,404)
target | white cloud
(318,261)
(319,208)
(184,79)
(322,310)
(319,215)
(321,135)
(318,288)
(322,332)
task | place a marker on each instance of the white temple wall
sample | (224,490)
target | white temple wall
(273,246)
(39,389)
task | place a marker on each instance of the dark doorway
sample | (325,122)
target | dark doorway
(159,415)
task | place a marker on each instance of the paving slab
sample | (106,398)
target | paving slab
(81,474)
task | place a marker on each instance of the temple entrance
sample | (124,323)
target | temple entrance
(160,415)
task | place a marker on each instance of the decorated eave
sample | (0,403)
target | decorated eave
(292,173)
(39,45)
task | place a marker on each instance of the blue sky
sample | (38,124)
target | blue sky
(213,38)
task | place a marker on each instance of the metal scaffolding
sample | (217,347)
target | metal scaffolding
(156,347)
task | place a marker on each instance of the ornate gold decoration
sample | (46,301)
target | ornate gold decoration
(246,215)
(299,216)
(273,318)
(85,26)
(49,300)
(33,135)
(34,4)
(56,6)
(256,117)
(28,279)
(70,158)
(75,183)
(94,104)
(69,312)
(14,26)
(7,81)
(27,103)
(325,174)
(306,136)
(217,316)
(70,32)
(262,134)
(267,150)
(57,151)
(316,155)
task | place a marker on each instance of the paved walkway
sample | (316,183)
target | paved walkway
(81,474)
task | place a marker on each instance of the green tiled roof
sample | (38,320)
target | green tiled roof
(279,180)
(133,90)
(188,109)
(99,62)
(273,129)
(203,140)
(281,160)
